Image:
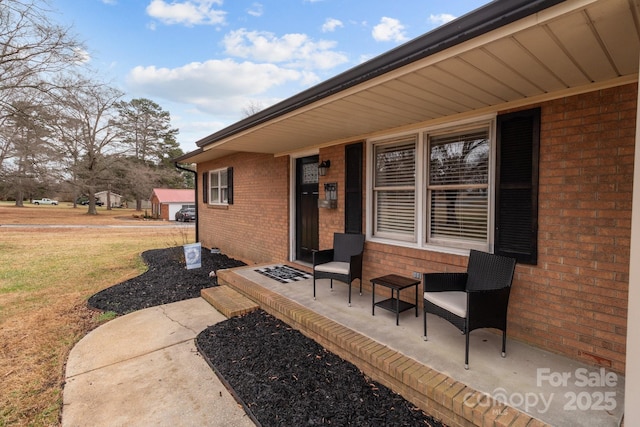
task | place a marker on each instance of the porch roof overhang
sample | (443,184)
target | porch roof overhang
(507,54)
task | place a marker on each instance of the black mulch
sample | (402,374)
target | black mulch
(281,376)
(287,379)
(167,280)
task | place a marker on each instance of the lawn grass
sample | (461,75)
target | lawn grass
(46,276)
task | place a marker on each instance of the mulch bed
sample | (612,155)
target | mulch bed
(282,377)
(167,280)
(287,379)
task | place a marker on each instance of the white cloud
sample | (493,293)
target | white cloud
(193,125)
(441,18)
(331,24)
(389,29)
(215,86)
(81,56)
(193,130)
(293,50)
(256,9)
(189,13)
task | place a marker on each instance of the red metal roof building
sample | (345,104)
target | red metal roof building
(165,202)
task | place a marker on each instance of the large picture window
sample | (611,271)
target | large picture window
(471,185)
(432,188)
(458,186)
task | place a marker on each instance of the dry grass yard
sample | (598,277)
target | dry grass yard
(46,276)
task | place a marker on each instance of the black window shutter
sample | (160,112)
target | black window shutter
(205,187)
(230,186)
(518,146)
(353,189)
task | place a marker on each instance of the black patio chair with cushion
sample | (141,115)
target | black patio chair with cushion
(472,300)
(343,262)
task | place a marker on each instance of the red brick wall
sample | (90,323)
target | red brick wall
(332,220)
(155,206)
(255,228)
(574,302)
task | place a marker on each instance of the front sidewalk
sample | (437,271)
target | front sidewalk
(143,369)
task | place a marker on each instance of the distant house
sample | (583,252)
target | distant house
(165,202)
(114,198)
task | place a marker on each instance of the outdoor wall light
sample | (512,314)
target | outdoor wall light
(323,166)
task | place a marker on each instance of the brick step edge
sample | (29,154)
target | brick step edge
(228,301)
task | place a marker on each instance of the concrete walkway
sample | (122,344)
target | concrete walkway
(143,369)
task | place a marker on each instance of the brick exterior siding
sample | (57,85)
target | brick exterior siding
(332,220)
(255,228)
(573,302)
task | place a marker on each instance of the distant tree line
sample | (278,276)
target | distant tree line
(62,130)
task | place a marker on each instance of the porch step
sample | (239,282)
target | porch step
(228,301)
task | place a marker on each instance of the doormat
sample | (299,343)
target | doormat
(284,273)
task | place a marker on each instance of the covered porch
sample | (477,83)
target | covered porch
(566,56)
(529,387)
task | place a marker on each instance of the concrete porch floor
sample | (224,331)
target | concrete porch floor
(542,387)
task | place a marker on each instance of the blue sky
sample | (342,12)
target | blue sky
(207,62)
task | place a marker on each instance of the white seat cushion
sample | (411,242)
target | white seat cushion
(453,302)
(334,267)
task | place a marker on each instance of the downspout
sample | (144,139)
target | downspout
(195,180)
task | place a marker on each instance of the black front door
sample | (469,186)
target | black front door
(306,207)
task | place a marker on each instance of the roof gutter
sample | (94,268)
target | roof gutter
(476,23)
(195,180)
(185,157)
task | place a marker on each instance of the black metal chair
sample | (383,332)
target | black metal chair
(343,262)
(472,300)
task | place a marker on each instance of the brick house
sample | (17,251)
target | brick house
(511,130)
(165,202)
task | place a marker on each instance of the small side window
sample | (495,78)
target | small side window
(220,187)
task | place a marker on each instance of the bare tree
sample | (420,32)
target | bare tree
(32,49)
(68,134)
(89,110)
(31,150)
(252,108)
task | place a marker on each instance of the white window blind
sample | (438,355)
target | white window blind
(394,189)
(458,186)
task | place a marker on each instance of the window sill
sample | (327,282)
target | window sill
(221,207)
(430,248)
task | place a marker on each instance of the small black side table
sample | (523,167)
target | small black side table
(396,284)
